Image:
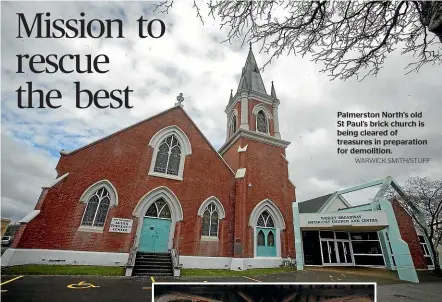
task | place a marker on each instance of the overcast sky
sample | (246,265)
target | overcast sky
(191,59)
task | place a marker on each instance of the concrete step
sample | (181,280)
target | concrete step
(151,274)
(153,261)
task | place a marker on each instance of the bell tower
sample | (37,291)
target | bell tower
(251,107)
(256,153)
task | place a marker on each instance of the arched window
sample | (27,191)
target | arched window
(233,125)
(261,122)
(261,239)
(270,239)
(97,208)
(168,156)
(159,209)
(265,220)
(170,148)
(210,221)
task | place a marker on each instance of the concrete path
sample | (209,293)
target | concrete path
(407,292)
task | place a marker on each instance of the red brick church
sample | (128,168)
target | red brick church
(160,188)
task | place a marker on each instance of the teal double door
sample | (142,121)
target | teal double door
(265,242)
(154,235)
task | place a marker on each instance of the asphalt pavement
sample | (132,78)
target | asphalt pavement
(99,288)
(75,288)
(408,292)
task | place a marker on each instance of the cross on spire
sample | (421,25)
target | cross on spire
(180,100)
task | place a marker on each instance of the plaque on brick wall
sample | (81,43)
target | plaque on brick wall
(237,248)
(120,225)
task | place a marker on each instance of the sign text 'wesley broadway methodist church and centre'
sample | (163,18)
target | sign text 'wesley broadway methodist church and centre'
(372,218)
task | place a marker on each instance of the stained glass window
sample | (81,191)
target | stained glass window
(270,239)
(261,122)
(97,208)
(168,156)
(265,220)
(261,239)
(159,209)
(210,221)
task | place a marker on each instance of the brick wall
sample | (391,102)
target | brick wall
(266,178)
(409,235)
(231,156)
(124,159)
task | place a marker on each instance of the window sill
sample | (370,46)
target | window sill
(90,229)
(209,238)
(163,175)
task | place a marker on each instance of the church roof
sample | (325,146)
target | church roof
(68,153)
(314,205)
(251,76)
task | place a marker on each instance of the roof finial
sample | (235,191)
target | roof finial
(273,92)
(250,45)
(180,100)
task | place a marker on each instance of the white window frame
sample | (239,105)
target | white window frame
(265,220)
(210,222)
(426,250)
(159,211)
(221,215)
(261,107)
(88,193)
(234,112)
(231,125)
(267,123)
(185,146)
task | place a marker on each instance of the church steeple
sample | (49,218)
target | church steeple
(251,77)
(250,108)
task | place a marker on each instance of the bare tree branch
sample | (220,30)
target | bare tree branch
(163,6)
(351,39)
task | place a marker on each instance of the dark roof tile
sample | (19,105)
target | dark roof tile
(313,205)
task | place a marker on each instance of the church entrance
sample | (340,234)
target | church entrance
(154,236)
(266,242)
(335,248)
(266,236)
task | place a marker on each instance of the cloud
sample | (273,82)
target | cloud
(190,58)
(25,169)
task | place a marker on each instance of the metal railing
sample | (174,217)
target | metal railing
(132,253)
(175,258)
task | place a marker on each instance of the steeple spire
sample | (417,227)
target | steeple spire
(251,77)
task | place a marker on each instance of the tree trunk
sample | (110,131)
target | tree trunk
(436,257)
(432,17)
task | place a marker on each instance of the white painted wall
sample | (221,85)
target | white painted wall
(39,256)
(250,263)
(62,257)
(205,262)
(335,205)
(229,263)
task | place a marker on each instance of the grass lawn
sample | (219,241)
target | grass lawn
(34,269)
(226,272)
